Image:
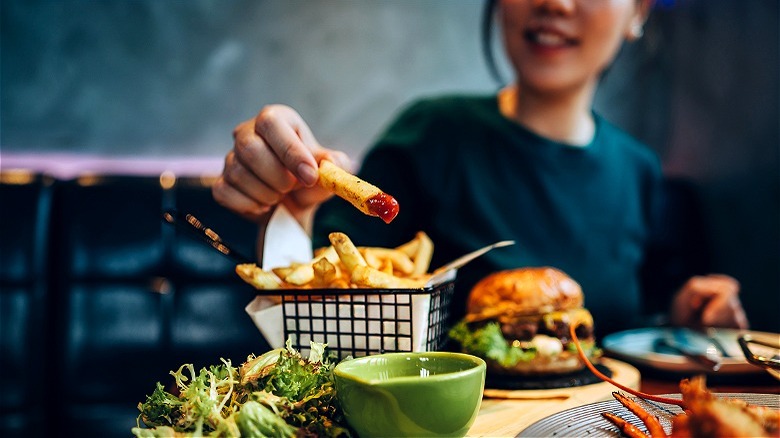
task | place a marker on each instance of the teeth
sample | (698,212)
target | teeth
(549,39)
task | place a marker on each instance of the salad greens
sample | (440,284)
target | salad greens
(277,394)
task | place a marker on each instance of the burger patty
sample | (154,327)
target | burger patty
(526,330)
(523,328)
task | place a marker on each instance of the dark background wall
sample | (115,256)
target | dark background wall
(170,78)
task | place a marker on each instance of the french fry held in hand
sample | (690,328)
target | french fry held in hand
(344,265)
(364,196)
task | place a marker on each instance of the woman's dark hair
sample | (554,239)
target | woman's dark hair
(487,40)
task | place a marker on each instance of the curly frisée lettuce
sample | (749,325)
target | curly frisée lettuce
(277,394)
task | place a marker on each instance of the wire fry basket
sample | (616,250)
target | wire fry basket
(362,322)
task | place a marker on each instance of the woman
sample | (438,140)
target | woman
(533,163)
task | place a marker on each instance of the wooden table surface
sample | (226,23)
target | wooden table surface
(500,417)
(503,417)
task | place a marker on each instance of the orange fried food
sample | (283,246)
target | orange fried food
(625,427)
(710,416)
(649,420)
(705,414)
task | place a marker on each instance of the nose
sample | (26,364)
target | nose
(558,7)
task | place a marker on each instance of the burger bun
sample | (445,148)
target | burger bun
(523,291)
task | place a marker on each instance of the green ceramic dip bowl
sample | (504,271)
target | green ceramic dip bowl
(411,394)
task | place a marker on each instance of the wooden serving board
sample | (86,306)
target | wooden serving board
(506,413)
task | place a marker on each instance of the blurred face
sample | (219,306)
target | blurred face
(559,45)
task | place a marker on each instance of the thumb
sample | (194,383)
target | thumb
(338,158)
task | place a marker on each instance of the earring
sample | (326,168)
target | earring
(637,30)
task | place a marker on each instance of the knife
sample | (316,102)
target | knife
(708,359)
(710,334)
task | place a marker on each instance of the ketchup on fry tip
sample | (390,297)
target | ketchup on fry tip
(384,206)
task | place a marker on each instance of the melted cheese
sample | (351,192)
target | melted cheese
(571,317)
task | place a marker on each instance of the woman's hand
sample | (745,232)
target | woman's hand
(274,161)
(709,301)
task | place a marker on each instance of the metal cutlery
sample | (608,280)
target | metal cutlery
(195,228)
(705,360)
(708,356)
(767,357)
(443,271)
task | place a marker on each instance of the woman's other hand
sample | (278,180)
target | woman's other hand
(274,161)
(709,301)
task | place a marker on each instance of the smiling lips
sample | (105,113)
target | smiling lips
(547,38)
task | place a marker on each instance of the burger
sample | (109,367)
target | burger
(518,321)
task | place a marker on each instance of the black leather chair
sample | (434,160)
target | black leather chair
(136,298)
(24,359)
(112,333)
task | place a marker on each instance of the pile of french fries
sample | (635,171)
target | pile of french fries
(342,265)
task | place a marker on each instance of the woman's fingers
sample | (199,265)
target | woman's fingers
(265,193)
(724,310)
(273,160)
(233,199)
(290,140)
(337,157)
(711,300)
(256,156)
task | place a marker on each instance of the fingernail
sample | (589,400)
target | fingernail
(307,174)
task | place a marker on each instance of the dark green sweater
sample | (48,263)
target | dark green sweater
(468,176)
